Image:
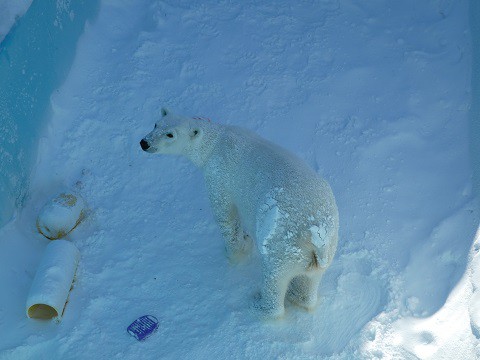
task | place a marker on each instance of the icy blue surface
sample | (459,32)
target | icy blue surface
(34,59)
(475,105)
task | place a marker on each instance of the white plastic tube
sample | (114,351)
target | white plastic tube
(53,281)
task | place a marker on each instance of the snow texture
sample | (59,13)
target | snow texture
(375,95)
(10,11)
(35,59)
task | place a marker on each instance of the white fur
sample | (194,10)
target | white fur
(260,192)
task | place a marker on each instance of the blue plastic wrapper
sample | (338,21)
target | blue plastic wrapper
(143,327)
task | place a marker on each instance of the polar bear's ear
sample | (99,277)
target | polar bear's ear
(164,111)
(195,132)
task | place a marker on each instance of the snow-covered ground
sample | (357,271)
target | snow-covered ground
(374,95)
(10,11)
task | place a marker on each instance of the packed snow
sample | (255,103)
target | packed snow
(374,95)
(35,59)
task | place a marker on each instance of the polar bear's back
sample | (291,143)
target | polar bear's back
(271,187)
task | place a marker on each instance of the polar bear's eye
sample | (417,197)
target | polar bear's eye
(169,135)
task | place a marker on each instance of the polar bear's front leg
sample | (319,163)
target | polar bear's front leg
(237,244)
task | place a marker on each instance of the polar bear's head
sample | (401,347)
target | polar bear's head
(173,134)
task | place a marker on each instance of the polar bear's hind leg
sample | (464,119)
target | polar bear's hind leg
(270,301)
(295,277)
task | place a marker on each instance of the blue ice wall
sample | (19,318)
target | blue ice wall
(475,102)
(35,58)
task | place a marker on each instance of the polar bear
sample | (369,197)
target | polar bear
(261,194)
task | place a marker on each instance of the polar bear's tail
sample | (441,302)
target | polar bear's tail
(314,264)
(319,259)
(323,243)
(321,253)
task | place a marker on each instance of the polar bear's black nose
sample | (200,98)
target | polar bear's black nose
(144,144)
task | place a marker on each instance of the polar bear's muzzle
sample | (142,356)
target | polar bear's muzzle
(144,144)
